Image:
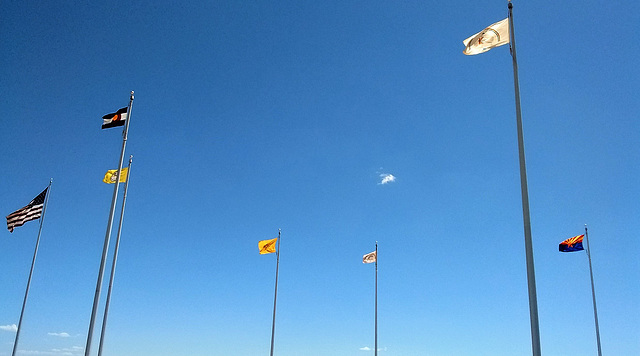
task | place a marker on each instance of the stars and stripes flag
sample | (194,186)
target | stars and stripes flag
(32,211)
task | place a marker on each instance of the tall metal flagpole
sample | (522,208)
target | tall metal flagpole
(531,278)
(275,297)
(593,291)
(376,303)
(33,262)
(115,258)
(105,249)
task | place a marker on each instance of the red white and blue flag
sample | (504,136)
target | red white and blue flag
(30,212)
(572,244)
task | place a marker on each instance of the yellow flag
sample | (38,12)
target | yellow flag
(267,246)
(110,176)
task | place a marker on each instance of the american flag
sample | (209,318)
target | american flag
(30,212)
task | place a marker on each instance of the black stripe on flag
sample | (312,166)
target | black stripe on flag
(30,212)
(114,119)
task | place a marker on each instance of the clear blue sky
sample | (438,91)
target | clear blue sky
(254,116)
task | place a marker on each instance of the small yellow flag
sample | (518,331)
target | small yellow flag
(267,246)
(110,176)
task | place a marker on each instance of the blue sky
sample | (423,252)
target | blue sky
(255,116)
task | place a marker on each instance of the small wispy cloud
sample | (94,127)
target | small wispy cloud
(67,351)
(387,178)
(59,334)
(12,328)
(367,348)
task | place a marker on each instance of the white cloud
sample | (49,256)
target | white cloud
(12,327)
(67,351)
(59,334)
(387,178)
(367,348)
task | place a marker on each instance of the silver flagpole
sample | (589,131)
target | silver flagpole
(33,262)
(105,249)
(376,316)
(115,258)
(531,277)
(593,291)
(275,297)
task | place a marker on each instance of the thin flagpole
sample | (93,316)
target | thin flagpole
(33,262)
(531,278)
(115,258)
(275,297)
(376,303)
(593,291)
(105,248)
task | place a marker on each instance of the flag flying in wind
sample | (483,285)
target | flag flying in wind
(370,257)
(110,176)
(572,244)
(30,212)
(495,35)
(267,246)
(117,118)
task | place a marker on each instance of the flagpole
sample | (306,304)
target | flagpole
(275,297)
(33,262)
(115,258)
(105,248)
(531,278)
(376,304)
(593,291)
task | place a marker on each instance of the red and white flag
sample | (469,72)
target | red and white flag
(30,212)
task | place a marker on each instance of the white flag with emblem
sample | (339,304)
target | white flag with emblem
(370,257)
(495,35)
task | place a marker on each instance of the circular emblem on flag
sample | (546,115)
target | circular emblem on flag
(488,38)
(492,36)
(113,177)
